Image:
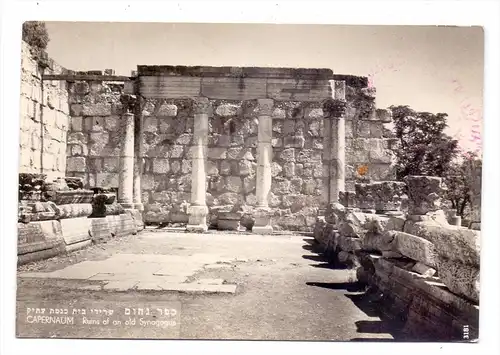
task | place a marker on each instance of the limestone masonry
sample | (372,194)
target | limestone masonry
(302,140)
(245,149)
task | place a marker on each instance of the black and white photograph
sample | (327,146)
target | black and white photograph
(249,181)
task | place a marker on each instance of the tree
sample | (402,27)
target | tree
(35,34)
(459,180)
(422,147)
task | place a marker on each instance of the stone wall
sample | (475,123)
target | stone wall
(166,94)
(93,143)
(420,270)
(44,116)
(369,136)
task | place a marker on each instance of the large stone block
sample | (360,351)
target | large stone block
(380,242)
(76,164)
(38,232)
(424,193)
(96,109)
(74,210)
(122,225)
(461,279)
(415,248)
(357,150)
(75,230)
(452,242)
(99,230)
(167,110)
(380,196)
(353,224)
(350,244)
(137,217)
(71,196)
(229,198)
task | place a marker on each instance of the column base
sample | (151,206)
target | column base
(137,216)
(139,206)
(197,228)
(127,205)
(262,223)
(197,219)
(262,229)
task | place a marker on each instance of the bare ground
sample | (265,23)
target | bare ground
(285,291)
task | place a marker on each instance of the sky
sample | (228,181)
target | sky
(430,68)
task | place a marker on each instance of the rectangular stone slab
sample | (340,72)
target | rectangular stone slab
(452,242)
(38,231)
(99,229)
(38,255)
(38,246)
(75,230)
(122,225)
(416,248)
(71,196)
(461,279)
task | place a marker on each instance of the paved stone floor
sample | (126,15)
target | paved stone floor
(226,286)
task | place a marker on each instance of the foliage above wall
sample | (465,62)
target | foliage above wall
(422,146)
(35,34)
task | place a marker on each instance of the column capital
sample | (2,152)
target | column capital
(334,108)
(264,107)
(129,103)
(201,105)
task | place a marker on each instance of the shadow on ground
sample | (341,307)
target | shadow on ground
(360,294)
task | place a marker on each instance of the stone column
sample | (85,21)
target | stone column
(138,166)
(262,213)
(126,174)
(198,209)
(334,148)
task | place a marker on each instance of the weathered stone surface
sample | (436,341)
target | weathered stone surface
(72,196)
(168,110)
(415,248)
(381,196)
(137,217)
(350,244)
(99,230)
(424,193)
(39,255)
(37,211)
(452,242)
(377,223)
(461,279)
(74,210)
(122,225)
(76,164)
(334,213)
(423,270)
(384,115)
(374,241)
(353,224)
(349,259)
(226,110)
(75,230)
(38,231)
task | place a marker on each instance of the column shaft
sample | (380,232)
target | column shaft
(198,209)
(126,174)
(334,149)
(262,213)
(138,165)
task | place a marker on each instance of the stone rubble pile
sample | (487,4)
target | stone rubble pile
(398,238)
(60,216)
